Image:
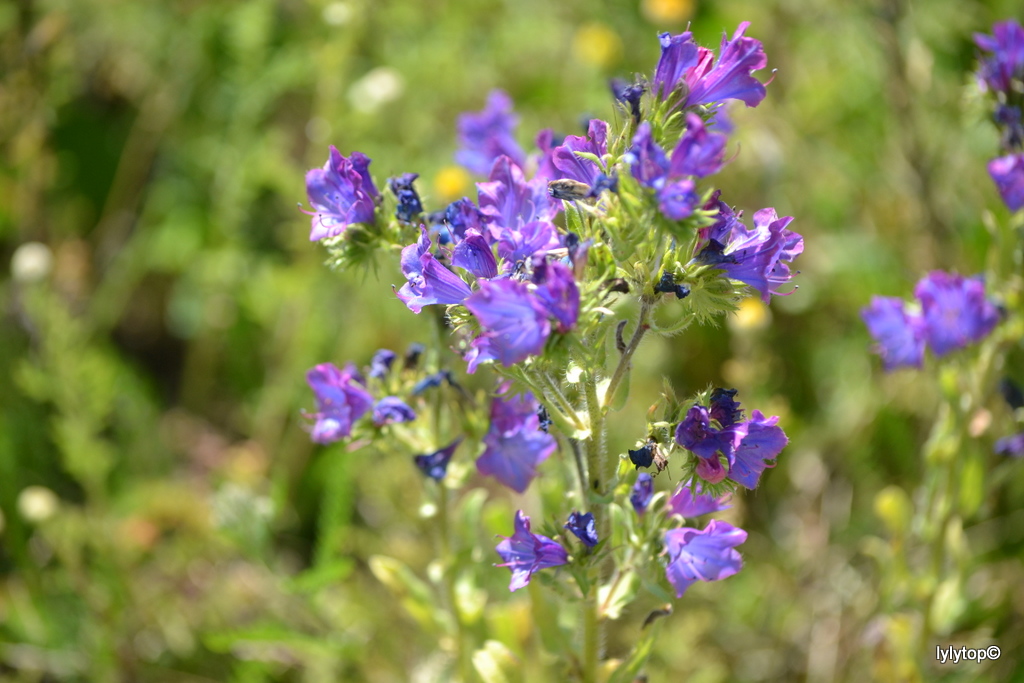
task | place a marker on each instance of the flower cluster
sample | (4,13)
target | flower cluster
(1001,72)
(529,273)
(952,311)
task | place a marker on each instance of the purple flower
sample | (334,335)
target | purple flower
(955,311)
(409,205)
(514,443)
(629,95)
(474,254)
(678,55)
(698,153)
(758,450)
(340,401)
(1006,62)
(390,410)
(431,381)
(748,446)
(730,78)
(462,215)
(642,492)
(646,159)
(899,335)
(429,282)
(514,321)
(696,433)
(435,465)
(557,291)
(486,135)
(1011,446)
(381,363)
(341,193)
(584,527)
(520,244)
(693,502)
(524,553)
(760,257)
(507,200)
(571,166)
(1008,174)
(707,555)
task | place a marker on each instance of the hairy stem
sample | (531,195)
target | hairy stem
(642,325)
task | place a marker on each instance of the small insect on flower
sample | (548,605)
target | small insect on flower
(568,189)
(649,454)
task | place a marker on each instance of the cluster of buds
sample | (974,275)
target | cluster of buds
(1001,73)
(530,275)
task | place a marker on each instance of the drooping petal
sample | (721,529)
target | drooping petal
(758,450)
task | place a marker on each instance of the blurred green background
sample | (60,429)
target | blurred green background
(164,515)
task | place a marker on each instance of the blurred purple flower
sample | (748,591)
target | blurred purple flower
(514,321)
(687,502)
(899,335)
(955,311)
(1011,446)
(390,410)
(584,527)
(341,193)
(486,135)
(435,465)
(571,166)
(1006,62)
(381,363)
(429,282)
(507,200)
(642,492)
(340,401)
(1008,174)
(525,553)
(707,555)
(629,95)
(514,443)
(557,291)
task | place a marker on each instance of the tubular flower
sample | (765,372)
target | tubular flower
(341,193)
(429,282)
(525,553)
(707,555)
(340,401)
(435,465)
(955,311)
(486,135)
(899,334)
(689,501)
(1008,174)
(515,444)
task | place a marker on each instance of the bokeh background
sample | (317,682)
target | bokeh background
(164,515)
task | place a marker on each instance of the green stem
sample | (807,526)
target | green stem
(642,325)
(462,646)
(596,466)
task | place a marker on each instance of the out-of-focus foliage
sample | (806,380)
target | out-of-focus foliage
(164,516)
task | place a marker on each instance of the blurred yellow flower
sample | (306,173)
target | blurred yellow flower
(751,315)
(597,45)
(667,11)
(450,184)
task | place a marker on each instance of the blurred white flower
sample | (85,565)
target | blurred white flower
(37,503)
(31,262)
(378,87)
